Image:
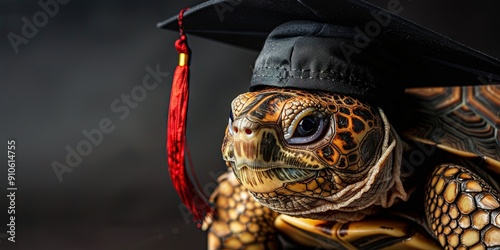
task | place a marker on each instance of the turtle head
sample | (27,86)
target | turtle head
(306,153)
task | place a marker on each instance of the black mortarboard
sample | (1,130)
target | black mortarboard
(343,46)
(399,49)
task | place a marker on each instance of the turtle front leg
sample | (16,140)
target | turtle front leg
(462,209)
(239,222)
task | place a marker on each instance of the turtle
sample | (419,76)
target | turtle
(317,169)
(347,139)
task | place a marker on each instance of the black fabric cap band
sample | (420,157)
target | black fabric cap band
(319,56)
(308,55)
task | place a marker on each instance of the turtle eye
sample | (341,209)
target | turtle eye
(231,118)
(230,122)
(307,126)
(308,129)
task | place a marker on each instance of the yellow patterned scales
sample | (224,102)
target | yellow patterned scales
(361,130)
(322,170)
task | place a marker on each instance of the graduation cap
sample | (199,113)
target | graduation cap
(349,47)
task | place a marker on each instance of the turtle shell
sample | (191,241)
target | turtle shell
(464,121)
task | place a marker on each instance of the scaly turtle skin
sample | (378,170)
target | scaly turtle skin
(323,170)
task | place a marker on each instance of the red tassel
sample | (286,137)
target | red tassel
(176,133)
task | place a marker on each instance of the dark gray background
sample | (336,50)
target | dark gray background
(65,79)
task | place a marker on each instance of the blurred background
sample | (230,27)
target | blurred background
(65,78)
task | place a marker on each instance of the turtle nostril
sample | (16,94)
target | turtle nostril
(235,129)
(248,131)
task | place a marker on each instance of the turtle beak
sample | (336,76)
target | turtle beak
(247,146)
